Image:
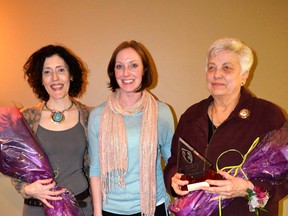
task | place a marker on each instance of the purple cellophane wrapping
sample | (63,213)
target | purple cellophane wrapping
(267,161)
(22,157)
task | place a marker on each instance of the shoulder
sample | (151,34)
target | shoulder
(267,110)
(197,109)
(33,111)
(163,106)
(82,107)
(164,111)
(32,115)
(95,117)
(258,105)
(165,116)
(97,111)
(265,104)
(84,112)
(263,113)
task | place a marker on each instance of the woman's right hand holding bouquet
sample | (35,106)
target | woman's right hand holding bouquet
(42,190)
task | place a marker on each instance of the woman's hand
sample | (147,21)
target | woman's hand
(176,184)
(41,190)
(231,187)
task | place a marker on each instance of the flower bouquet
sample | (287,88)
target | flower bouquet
(266,160)
(23,158)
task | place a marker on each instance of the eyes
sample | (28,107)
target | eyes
(59,70)
(131,66)
(226,68)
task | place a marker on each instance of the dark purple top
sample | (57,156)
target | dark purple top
(235,133)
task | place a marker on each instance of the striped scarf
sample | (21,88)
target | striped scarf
(113,147)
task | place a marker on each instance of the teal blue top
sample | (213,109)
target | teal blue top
(127,200)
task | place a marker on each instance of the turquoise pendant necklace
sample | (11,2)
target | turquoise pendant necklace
(57,117)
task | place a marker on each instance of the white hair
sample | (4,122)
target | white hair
(236,46)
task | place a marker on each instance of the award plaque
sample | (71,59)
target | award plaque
(194,167)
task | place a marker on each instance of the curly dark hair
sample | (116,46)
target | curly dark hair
(147,78)
(34,66)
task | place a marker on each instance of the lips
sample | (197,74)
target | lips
(128,81)
(217,84)
(56,87)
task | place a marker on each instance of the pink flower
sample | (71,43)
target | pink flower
(257,199)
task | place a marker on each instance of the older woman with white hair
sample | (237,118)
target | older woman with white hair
(230,118)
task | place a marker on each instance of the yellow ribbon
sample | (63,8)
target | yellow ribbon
(56,173)
(236,168)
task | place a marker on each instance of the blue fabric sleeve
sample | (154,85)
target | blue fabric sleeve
(93,147)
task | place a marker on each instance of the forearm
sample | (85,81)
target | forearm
(171,167)
(20,187)
(169,172)
(95,182)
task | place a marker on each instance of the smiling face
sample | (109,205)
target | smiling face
(128,70)
(56,77)
(224,75)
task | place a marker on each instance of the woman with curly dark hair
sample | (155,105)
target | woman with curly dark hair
(57,76)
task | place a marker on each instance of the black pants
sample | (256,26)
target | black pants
(160,211)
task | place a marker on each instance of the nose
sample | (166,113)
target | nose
(54,75)
(126,71)
(218,73)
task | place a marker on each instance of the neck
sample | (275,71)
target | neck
(129,99)
(59,105)
(225,103)
(220,110)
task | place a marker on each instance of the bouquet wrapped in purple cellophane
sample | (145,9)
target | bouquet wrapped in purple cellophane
(22,157)
(267,160)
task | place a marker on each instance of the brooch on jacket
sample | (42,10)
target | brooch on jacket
(244,113)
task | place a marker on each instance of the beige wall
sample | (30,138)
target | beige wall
(176,32)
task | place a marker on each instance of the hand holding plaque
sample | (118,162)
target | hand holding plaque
(195,168)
